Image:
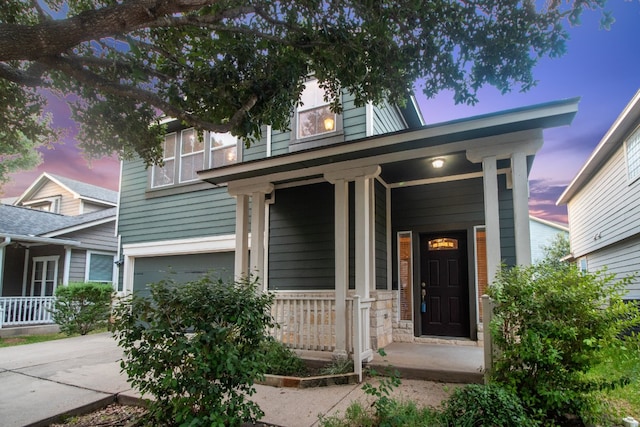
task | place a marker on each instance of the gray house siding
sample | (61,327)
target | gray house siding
(542,235)
(621,259)
(301,238)
(77,266)
(207,212)
(606,207)
(181,268)
(101,237)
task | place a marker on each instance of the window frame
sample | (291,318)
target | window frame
(184,156)
(177,158)
(212,149)
(165,158)
(319,139)
(87,269)
(632,158)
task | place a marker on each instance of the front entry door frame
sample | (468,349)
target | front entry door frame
(467,291)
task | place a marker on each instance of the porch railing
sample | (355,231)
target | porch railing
(17,311)
(308,322)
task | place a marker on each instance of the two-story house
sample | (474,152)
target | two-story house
(603,202)
(58,231)
(369,207)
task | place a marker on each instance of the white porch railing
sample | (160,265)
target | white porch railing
(308,322)
(17,311)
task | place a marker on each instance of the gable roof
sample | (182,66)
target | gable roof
(614,138)
(81,190)
(18,221)
(553,224)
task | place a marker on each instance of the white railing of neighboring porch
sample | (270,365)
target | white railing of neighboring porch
(18,311)
(308,322)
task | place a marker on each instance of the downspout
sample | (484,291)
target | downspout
(3,244)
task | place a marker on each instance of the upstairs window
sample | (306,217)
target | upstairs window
(191,155)
(165,174)
(314,116)
(224,149)
(186,153)
(633,155)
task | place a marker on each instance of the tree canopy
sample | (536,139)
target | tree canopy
(232,65)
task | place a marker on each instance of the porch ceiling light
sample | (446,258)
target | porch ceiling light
(437,163)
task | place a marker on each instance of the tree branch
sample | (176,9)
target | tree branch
(86,77)
(21,77)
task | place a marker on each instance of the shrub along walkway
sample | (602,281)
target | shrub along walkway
(42,381)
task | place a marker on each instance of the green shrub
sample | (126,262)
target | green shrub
(80,308)
(338,366)
(196,348)
(551,324)
(480,405)
(281,360)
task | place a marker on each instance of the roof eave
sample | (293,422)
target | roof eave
(607,144)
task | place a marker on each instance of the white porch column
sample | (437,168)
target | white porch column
(492,215)
(520,181)
(257,234)
(341,234)
(241,264)
(241,191)
(67,266)
(365,261)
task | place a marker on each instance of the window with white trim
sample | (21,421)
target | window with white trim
(165,175)
(633,155)
(186,153)
(99,267)
(224,149)
(314,117)
(191,155)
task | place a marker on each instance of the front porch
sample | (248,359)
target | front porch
(25,311)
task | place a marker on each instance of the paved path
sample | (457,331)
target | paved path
(39,382)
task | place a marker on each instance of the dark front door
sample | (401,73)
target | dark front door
(444,284)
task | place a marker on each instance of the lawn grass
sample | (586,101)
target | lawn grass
(622,401)
(32,339)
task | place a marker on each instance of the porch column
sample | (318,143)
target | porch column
(491,215)
(257,234)
(241,192)
(67,266)
(241,264)
(364,223)
(341,234)
(521,208)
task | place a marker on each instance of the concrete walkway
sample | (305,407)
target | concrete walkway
(42,381)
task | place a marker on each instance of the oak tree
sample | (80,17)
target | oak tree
(236,65)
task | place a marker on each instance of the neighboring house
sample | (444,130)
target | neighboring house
(603,202)
(58,231)
(543,234)
(366,207)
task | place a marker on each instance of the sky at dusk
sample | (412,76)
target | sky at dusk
(601,67)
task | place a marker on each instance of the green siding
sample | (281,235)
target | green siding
(178,216)
(354,120)
(381,236)
(301,238)
(387,119)
(181,268)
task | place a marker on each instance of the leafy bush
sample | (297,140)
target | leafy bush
(196,348)
(480,405)
(80,308)
(551,324)
(281,360)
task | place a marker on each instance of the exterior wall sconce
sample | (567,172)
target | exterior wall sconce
(437,163)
